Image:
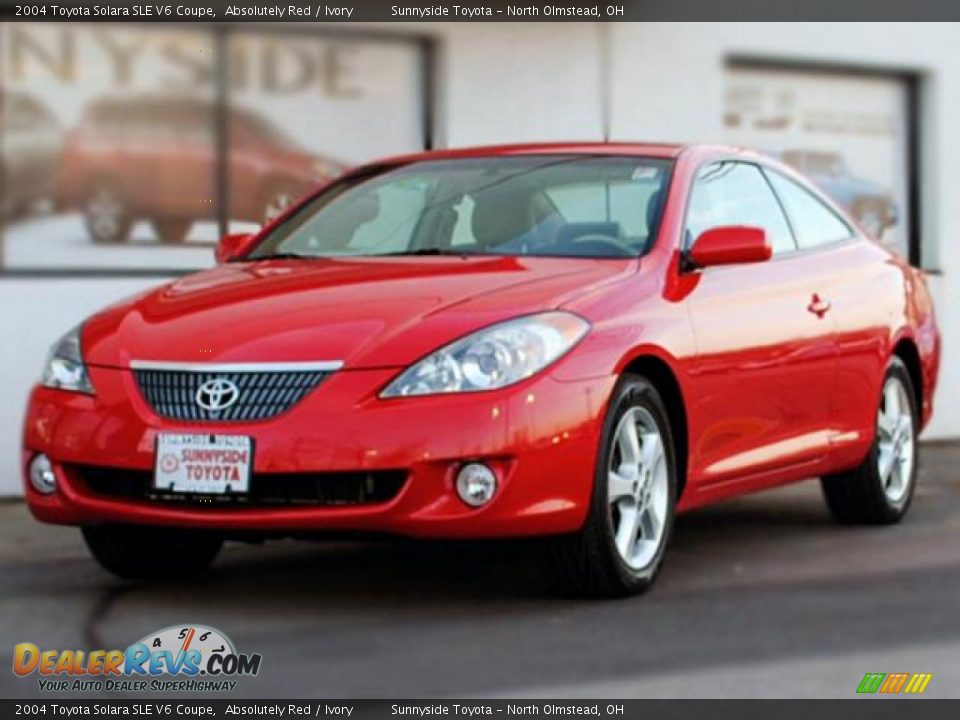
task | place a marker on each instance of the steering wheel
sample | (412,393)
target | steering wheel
(618,248)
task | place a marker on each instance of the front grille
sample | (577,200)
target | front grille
(266,489)
(261,394)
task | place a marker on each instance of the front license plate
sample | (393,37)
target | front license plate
(203,464)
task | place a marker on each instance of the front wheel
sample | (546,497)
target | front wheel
(138,552)
(621,547)
(879,491)
(107,213)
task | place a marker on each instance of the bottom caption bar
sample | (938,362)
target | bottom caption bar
(713,709)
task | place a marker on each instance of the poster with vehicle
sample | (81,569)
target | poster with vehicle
(114,138)
(847,132)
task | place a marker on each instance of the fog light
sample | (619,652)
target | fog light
(476,484)
(42,476)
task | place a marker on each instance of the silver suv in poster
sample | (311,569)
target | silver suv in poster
(869,202)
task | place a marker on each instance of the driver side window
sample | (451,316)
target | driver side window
(736,193)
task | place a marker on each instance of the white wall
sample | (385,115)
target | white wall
(520,83)
(35,313)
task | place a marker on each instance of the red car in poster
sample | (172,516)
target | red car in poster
(575,341)
(155,158)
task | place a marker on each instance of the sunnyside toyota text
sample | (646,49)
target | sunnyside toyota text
(574,341)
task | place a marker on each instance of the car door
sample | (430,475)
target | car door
(246,167)
(861,291)
(765,366)
(121,144)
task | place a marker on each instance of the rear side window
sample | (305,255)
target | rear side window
(735,193)
(814,223)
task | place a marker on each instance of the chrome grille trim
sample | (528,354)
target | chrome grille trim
(265,390)
(265,367)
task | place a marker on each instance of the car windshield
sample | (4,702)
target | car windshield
(550,205)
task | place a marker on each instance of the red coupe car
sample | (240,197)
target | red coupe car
(575,341)
(155,158)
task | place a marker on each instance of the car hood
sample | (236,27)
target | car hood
(365,312)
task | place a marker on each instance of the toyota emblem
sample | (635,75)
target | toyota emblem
(217,394)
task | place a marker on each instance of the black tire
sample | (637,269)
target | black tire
(136,552)
(858,496)
(107,213)
(171,231)
(588,562)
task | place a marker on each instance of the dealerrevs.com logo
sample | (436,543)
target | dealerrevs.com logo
(180,658)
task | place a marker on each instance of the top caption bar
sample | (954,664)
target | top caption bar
(357,11)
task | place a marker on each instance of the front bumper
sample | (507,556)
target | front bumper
(539,436)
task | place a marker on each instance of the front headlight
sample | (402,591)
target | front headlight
(492,358)
(65,369)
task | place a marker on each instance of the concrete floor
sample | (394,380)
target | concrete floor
(761,597)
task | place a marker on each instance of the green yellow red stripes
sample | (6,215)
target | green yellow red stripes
(893,683)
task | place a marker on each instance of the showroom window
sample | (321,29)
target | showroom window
(131,149)
(852,131)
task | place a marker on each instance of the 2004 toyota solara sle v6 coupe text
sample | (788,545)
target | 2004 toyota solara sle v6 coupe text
(571,341)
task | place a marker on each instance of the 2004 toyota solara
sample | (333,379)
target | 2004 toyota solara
(571,341)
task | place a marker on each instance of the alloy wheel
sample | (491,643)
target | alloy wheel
(105,212)
(637,488)
(896,440)
(872,222)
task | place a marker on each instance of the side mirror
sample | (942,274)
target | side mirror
(232,246)
(730,245)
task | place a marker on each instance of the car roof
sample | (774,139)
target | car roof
(639,149)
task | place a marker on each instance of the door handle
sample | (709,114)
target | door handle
(818,306)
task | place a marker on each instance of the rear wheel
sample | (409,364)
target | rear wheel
(138,552)
(879,491)
(171,231)
(873,216)
(107,214)
(621,547)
